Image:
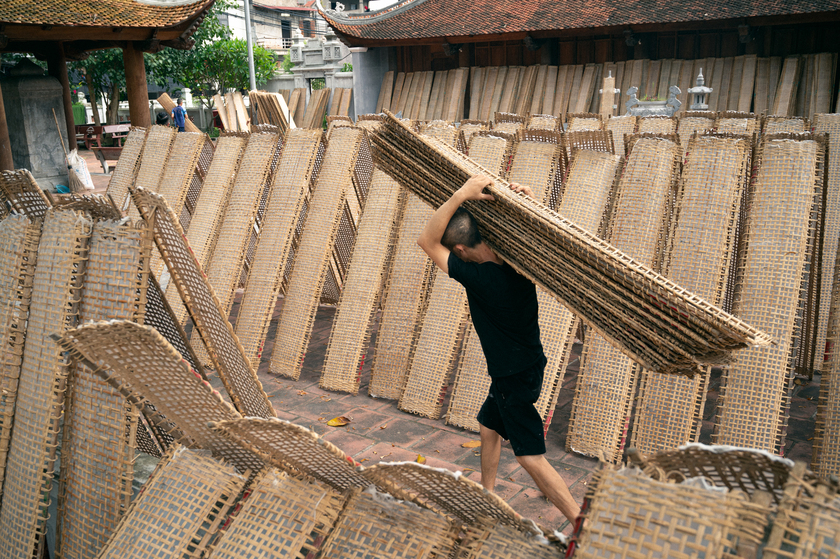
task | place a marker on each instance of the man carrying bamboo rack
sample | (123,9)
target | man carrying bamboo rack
(505,314)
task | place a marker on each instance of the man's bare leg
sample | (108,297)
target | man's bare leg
(549,482)
(491,450)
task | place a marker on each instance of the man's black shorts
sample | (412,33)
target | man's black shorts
(509,410)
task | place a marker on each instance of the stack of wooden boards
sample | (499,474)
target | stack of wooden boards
(790,86)
(232,112)
(271,108)
(311,114)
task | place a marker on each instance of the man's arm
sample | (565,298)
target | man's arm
(429,240)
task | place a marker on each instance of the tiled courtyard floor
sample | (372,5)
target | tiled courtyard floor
(381,432)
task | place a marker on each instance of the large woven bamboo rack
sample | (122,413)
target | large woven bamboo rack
(655,321)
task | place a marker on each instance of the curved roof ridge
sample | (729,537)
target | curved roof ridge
(102,13)
(369,17)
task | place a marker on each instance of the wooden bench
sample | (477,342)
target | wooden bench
(89,134)
(107,154)
(117,131)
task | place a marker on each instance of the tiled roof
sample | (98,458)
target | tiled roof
(422,19)
(101,13)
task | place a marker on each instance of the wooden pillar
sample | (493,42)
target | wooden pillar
(57,68)
(136,87)
(6,163)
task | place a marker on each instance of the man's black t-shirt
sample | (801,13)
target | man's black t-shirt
(505,313)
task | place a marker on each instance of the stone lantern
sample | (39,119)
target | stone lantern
(700,93)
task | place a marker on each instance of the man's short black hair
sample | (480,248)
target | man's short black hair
(162,118)
(462,229)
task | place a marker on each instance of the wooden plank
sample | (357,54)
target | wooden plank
(243,121)
(674,77)
(425,98)
(587,84)
(550,90)
(487,94)
(786,91)
(433,96)
(335,102)
(559,92)
(725,83)
(735,83)
(413,105)
(509,91)
(231,112)
(574,92)
(594,98)
(293,103)
(652,80)
(454,105)
(385,91)
(344,108)
(825,64)
(301,104)
(762,71)
(448,93)
(686,80)
(636,75)
(664,78)
(398,86)
(747,83)
(476,91)
(406,88)
(803,94)
(522,102)
(539,90)
(713,81)
(498,90)
(773,80)
(570,81)
(220,107)
(621,95)
(444,84)
(465,73)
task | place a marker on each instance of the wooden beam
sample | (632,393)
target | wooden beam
(6,163)
(136,87)
(57,68)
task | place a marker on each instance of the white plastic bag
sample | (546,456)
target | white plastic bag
(78,165)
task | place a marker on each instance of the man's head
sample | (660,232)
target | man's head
(180,102)
(162,118)
(462,236)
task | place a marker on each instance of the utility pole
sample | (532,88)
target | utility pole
(249,40)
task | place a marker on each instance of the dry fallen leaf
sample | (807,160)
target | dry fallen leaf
(420,459)
(339,421)
(472,444)
(302,392)
(363,460)
(383,426)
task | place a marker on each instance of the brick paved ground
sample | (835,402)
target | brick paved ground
(381,432)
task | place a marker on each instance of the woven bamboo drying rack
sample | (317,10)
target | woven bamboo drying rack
(461,500)
(677,519)
(181,507)
(808,521)
(699,257)
(226,353)
(584,121)
(124,174)
(43,374)
(469,127)
(827,124)
(619,126)
(99,432)
(435,349)
(639,224)
(508,122)
(138,362)
(734,122)
(596,140)
(224,268)
(544,122)
(209,209)
(737,469)
(296,170)
(160,316)
(202,166)
(283,516)
(434,171)
(405,294)
(20,192)
(96,206)
(656,125)
(152,162)
(376,525)
(774,124)
(294,449)
(487,539)
(19,238)
(694,121)
(353,323)
(446,132)
(312,257)
(785,206)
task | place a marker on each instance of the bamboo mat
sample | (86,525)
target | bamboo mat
(59,272)
(294,449)
(607,378)
(226,353)
(470,127)
(394,142)
(127,166)
(97,450)
(225,266)
(284,516)
(297,168)
(146,369)
(210,207)
(374,524)
(405,294)
(19,191)
(486,539)
(461,500)
(828,124)
(312,257)
(18,254)
(508,122)
(584,121)
(691,122)
(544,122)
(679,519)
(435,348)
(353,323)
(825,459)
(669,409)
(152,162)
(776,124)
(731,122)
(657,125)
(185,501)
(784,202)
(620,126)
